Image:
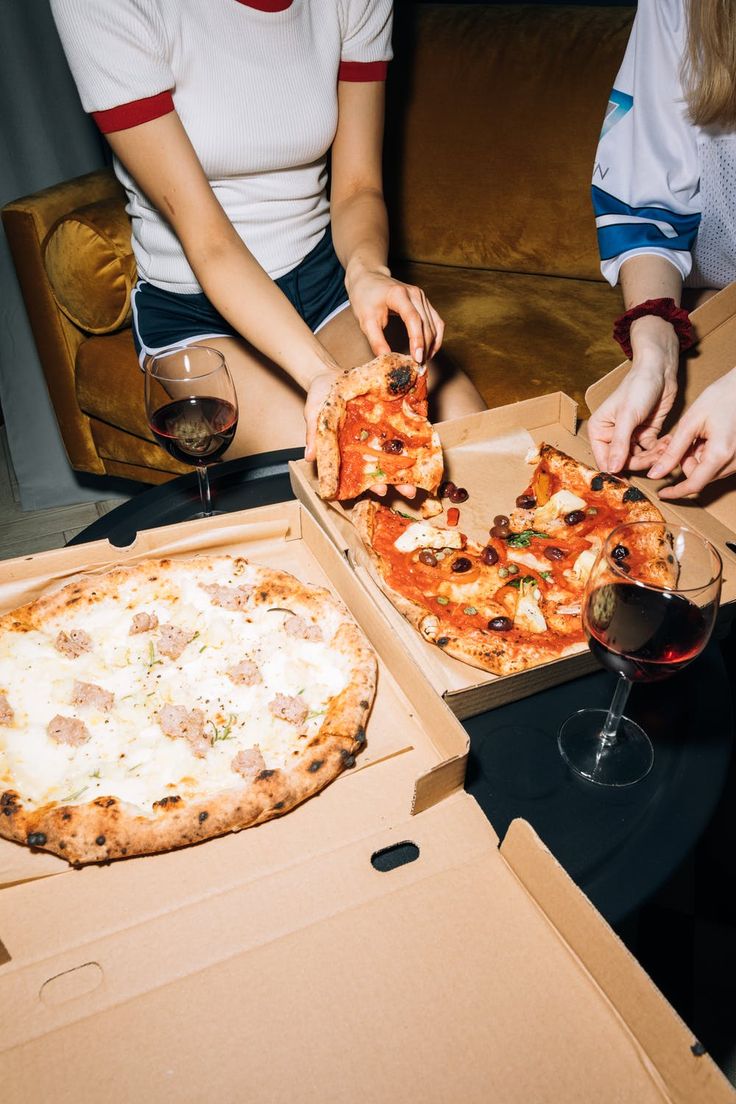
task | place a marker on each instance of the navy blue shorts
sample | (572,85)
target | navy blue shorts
(169,320)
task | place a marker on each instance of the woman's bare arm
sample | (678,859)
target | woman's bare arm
(159,155)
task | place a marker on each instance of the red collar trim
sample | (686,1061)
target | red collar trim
(266,5)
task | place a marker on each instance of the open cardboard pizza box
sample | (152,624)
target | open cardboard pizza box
(375,944)
(486,453)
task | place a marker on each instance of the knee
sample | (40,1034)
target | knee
(452,393)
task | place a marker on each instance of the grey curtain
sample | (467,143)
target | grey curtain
(45,137)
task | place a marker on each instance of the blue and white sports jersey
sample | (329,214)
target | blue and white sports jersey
(660,184)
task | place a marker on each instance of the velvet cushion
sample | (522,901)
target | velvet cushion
(90,265)
(493,118)
(519,335)
(109,383)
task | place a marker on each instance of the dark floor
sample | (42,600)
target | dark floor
(685,938)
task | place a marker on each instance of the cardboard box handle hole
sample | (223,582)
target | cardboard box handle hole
(398,854)
(72,983)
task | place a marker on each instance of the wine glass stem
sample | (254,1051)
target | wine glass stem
(615,712)
(204,491)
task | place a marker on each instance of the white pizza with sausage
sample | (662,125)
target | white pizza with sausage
(171,701)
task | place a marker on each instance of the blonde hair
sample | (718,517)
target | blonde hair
(709,64)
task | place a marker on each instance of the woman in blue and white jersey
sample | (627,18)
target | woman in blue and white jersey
(664,194)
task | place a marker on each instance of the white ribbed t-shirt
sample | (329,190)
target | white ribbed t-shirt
(256,91)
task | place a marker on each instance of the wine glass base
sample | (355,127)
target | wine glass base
(201,514)
(622,762)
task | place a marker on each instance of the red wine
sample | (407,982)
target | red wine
(644,634)
(196,430)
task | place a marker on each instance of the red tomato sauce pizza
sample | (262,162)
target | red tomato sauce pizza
(514,601)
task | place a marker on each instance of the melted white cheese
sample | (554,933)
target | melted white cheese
(561,502)
(127,754)
(420,534)
(528,615)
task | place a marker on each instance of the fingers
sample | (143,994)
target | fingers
(681,439)
(620,447)
(439,331)
(408,490)
(424,326)
(600,449)
(373,330)
(706,461)
(644,459)
(600,432)
(319,390)
(310,418)
(310,452)
(703,471)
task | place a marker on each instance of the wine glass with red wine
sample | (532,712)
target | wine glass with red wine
(642,630)
(192,409)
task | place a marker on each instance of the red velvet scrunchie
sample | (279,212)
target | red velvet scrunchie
(662,308)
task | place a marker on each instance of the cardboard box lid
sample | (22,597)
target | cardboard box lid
(713,511)
(281,963)
(415,751)
(466,974)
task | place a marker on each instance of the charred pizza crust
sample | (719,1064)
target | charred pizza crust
(108,826)
(384,380)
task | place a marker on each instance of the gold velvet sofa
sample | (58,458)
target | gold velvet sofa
(493,116)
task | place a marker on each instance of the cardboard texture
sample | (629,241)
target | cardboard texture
(283,963)
(441,980)
(486,453)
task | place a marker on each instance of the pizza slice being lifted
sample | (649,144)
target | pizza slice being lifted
(514,601)
(373,428)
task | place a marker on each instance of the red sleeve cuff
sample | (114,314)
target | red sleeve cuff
(131,114)
(362,70)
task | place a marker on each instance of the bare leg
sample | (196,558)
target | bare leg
(345,341)
(452,393)
(271,405)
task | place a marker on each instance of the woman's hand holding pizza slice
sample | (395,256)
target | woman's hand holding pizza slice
(373,432)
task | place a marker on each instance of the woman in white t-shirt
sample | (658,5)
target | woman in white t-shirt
(664,193)
(221,117)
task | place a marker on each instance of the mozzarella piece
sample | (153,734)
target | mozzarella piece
(420,534)
(528,615)
(528,559)
(583,565)
(561,502)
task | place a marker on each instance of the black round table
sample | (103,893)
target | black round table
(619,845)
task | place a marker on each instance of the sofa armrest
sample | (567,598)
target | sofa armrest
(27,221)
